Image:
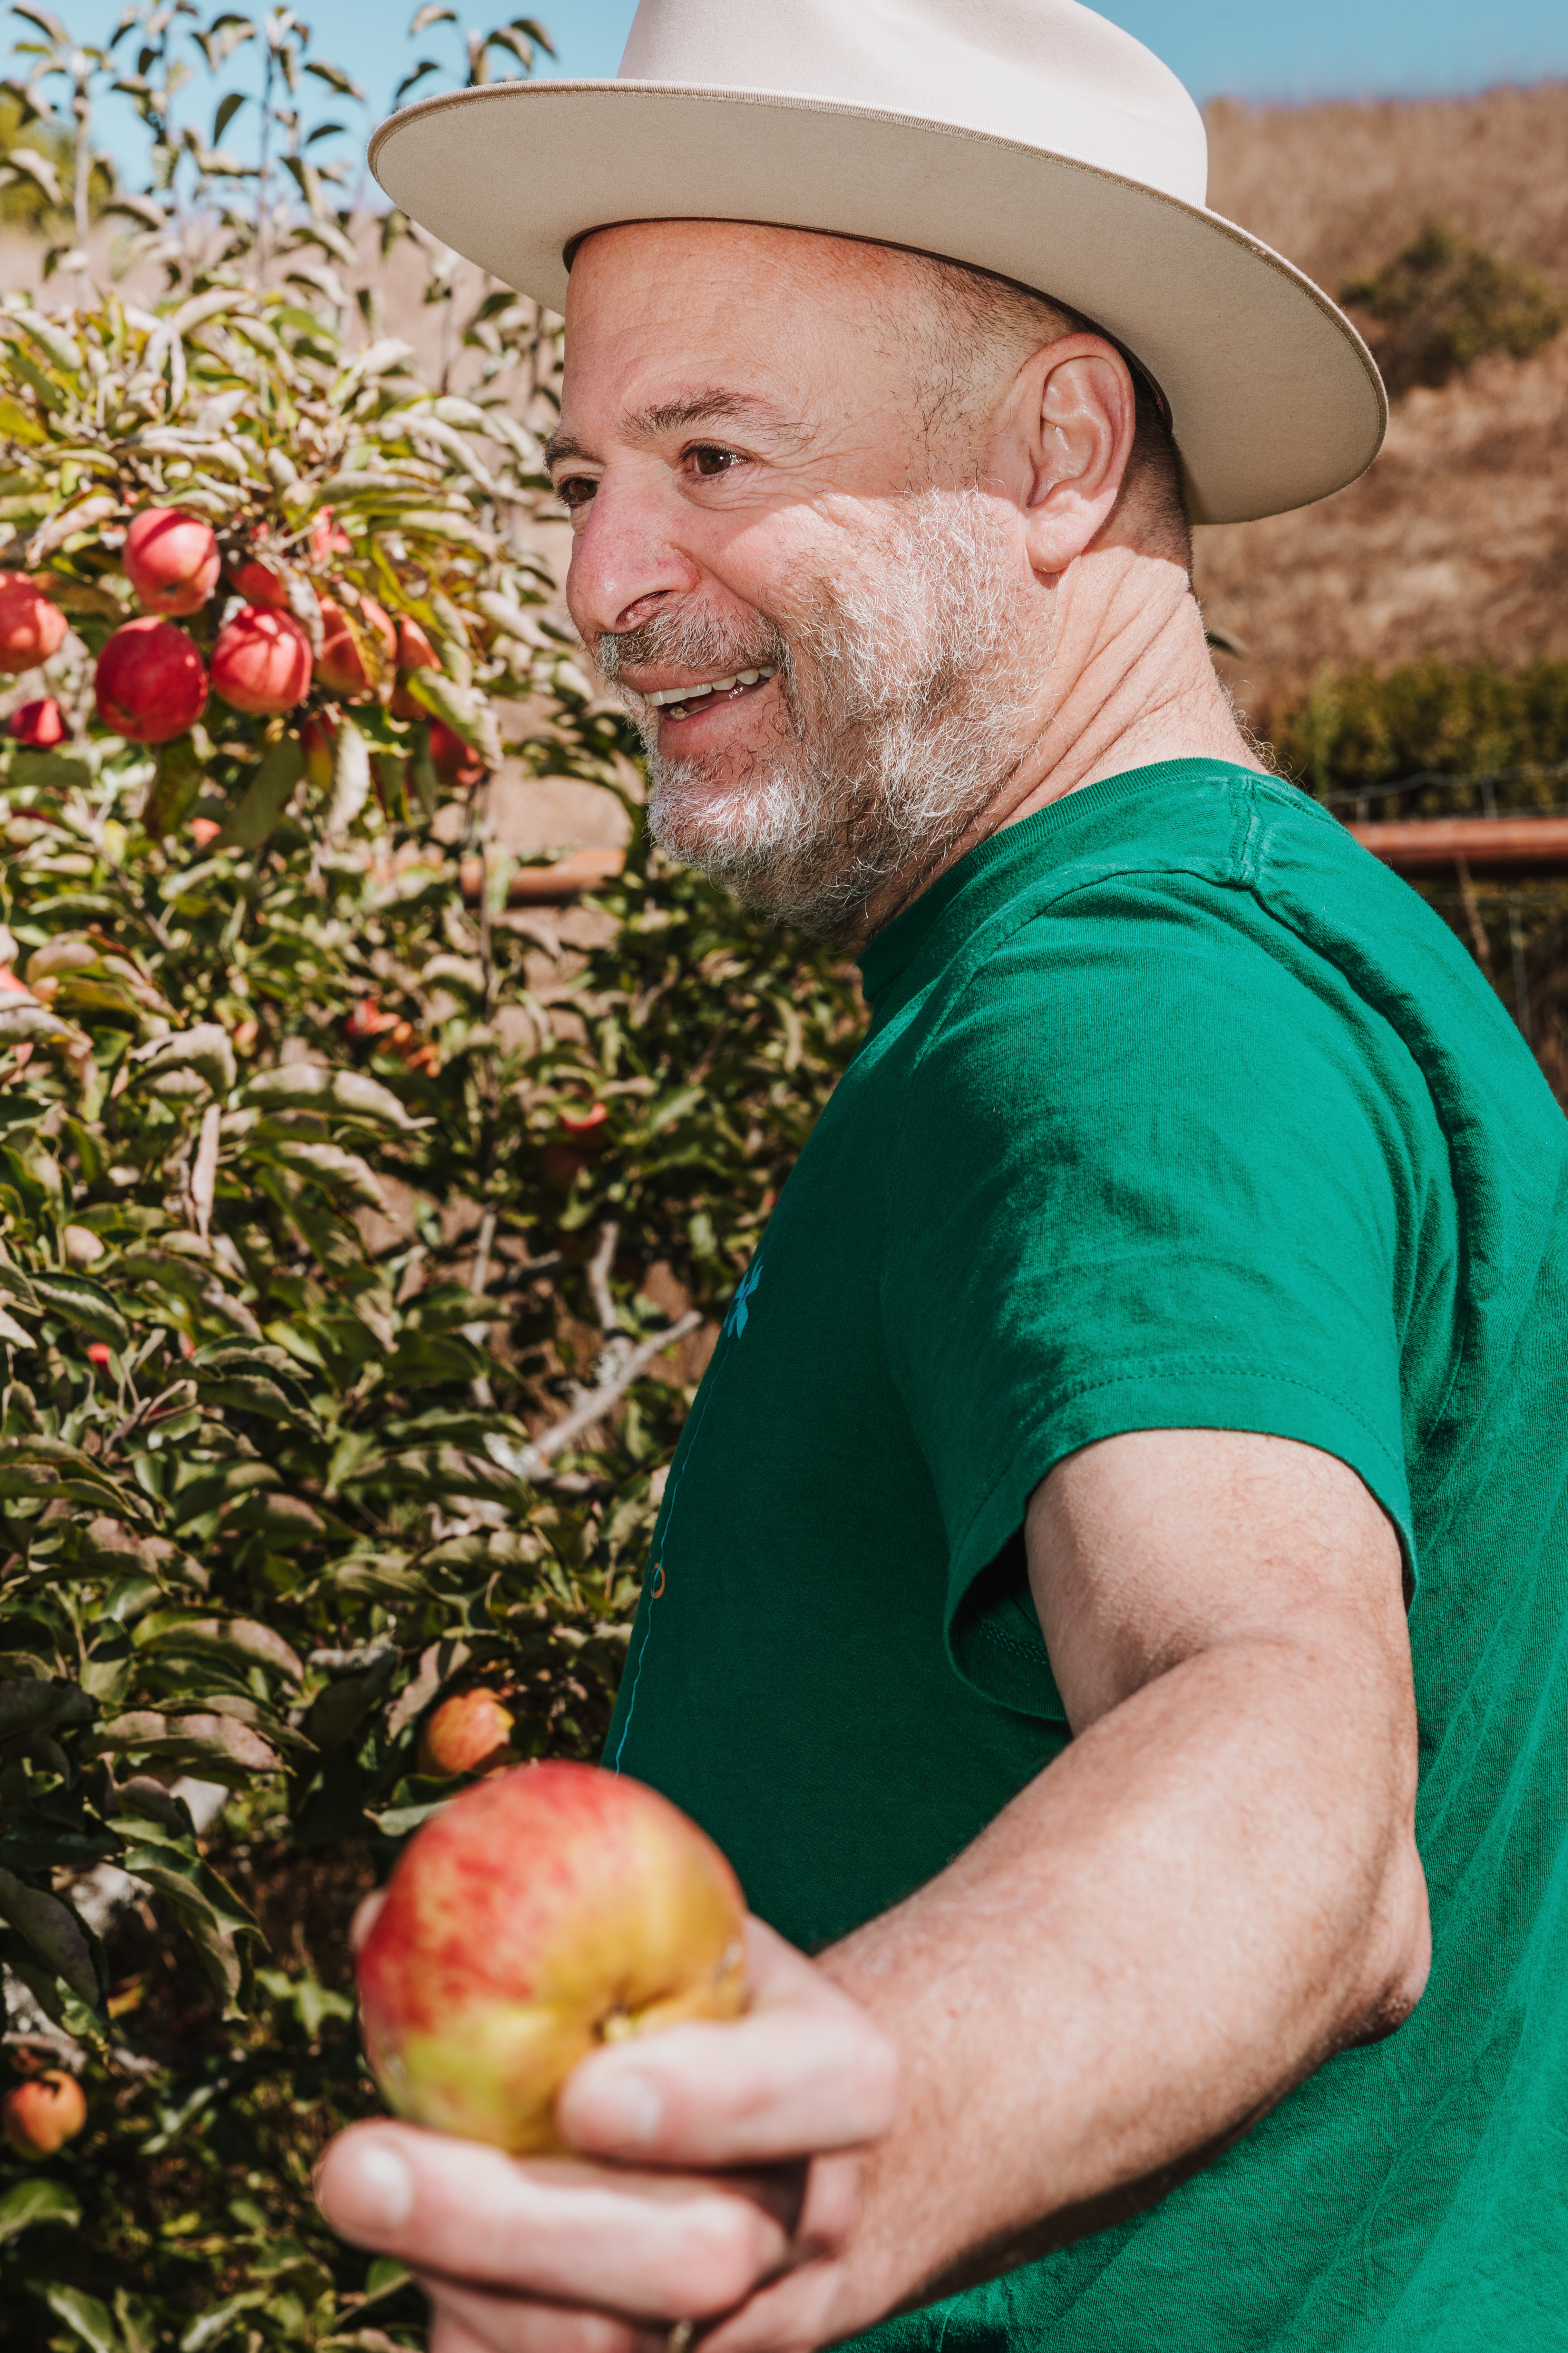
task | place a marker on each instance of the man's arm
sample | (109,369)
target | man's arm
(1214,1889)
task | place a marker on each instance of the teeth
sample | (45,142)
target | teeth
(673,697)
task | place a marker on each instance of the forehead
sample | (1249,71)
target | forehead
(723,301)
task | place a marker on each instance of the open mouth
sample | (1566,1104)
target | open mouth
(682,702)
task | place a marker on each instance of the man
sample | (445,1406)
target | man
(1115,1566)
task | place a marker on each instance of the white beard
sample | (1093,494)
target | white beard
(904,722)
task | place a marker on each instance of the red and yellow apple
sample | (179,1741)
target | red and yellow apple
(32,629)
(40,2115)
(471,1732)
(546,1911)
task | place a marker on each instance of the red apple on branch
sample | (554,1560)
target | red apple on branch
(544,1912)
(40,2115)
(415,652)
(171,560)
(261,662)
(32,629)
(39,725)
(455,762)
(471,1732)
(151,682)
(343,666)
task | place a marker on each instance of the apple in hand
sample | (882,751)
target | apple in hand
(545,1911)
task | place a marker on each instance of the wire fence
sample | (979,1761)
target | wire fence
(1482,785)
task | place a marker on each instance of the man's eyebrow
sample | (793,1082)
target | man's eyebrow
(679,415)
(703,409)
(561,446)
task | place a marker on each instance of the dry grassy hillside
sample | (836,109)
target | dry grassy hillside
(1457,541)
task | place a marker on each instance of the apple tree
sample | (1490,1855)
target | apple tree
(356,1241)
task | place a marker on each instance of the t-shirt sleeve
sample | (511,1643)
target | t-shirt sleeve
(1156,1171)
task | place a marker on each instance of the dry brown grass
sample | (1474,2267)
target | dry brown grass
(1457,541)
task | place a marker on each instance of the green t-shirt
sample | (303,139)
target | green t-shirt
(1176,1110)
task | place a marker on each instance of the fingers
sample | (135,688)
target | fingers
(804,2070)
(476,2323)
(449,2334)
(649,2246)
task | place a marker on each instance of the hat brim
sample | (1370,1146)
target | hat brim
(1275,399)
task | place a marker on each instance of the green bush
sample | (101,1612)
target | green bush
(1444,302)
(1358,731)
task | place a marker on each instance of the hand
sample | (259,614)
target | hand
(718,2176)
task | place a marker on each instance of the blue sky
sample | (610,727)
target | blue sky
(1258,49)
(1244,48)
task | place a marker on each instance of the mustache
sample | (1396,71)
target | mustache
(689,640)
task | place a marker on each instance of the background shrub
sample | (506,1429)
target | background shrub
(1445,302)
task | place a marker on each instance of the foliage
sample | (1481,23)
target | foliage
(1465,728)
(327,1194)
(1445,302)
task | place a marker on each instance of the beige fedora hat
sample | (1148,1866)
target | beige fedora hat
(1026,137)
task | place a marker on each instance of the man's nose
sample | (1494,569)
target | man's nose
(625,561)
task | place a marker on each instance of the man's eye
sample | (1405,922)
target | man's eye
(708,461)
(576,490)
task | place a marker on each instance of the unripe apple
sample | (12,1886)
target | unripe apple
(171,560)
(39,725)
(342,666)
(455,762)
(544,1912)
(261,662)
(31,628)
(40,2115)
(468,1733)
(149,681)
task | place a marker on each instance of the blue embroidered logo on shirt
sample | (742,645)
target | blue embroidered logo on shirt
(739,1312)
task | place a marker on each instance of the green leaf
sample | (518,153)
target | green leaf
(212,2326)
(90,2320)
(38,2201)
(54,1932)
(244,1640)
(176,784)
(86,1304)
(30,1707)
(270,789)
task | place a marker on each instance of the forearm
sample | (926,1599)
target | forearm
(1210,1891)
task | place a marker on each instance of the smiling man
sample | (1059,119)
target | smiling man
(1108,1600)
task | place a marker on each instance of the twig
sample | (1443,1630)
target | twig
(480,1387)
(524,1462)
(617,1344)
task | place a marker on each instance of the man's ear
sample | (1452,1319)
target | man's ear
(1076,410)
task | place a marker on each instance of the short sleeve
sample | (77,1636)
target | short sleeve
(1159,1168)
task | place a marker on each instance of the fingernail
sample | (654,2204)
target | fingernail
(370,2190)
(626,2110)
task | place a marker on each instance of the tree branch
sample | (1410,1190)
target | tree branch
(527,1462)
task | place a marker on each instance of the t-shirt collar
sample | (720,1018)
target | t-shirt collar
(988,873)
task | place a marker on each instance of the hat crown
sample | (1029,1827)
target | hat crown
(1048,73)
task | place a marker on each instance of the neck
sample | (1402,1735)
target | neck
(1126,682)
